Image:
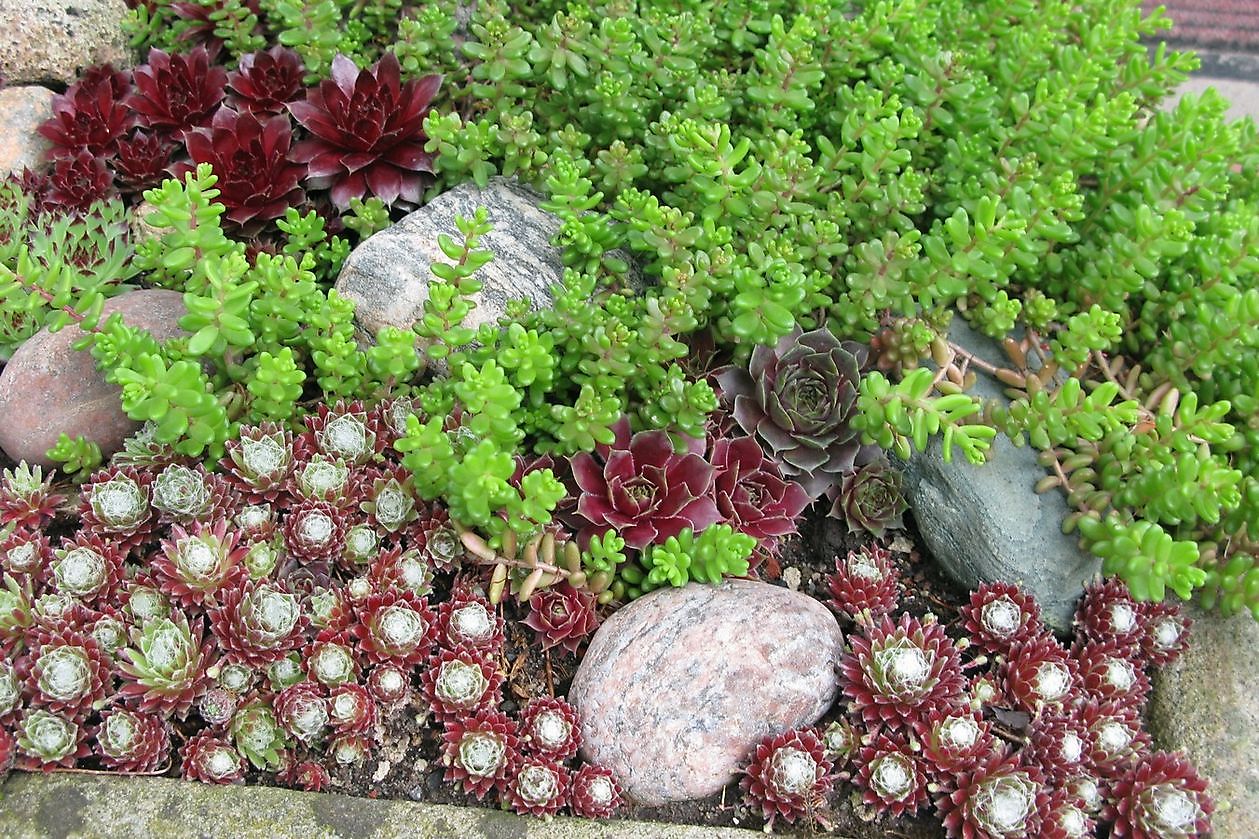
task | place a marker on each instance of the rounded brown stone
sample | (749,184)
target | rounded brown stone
(22,111)
(679,686)
(48,388)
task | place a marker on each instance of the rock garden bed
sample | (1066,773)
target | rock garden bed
(798,416)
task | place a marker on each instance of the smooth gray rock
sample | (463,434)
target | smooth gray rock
(1206,703)
(22,111)
(679,686)
(988,523)
(387,275)
(54,40)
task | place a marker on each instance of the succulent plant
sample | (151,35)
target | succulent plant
(351,710)
(751,494)
(69,673)
(260,460)
(797,398)
(394,627)
(549,727)
(314,531)
(787,775)
(8,753)
(897,673)
(115,503)
(46,740)
(77,182)
(469,620)
(141,160)
(368,134)
(865,585)
(841,740)
(194,564)
(27,498)
(257,623)
(1115,737)
(217,706)
(998,799)
(164,669)
(954,740)
(87,568)
(390,501)
(1108,612)
(176,92)
(398,570)
(345,432)
(302,711)
(1058,744)
(256,180)
(390,686)
(131,742)
(309,775)
(10,691)
(479,751)
(183,494)
(870,499)
(24,554)
(460,682)
(263,83)
(643,489)
(1065,818)
(1038,674)
(91,115)
(209,758)
(594,793)
(350,749)
(330,659)
(1106,672)
(892,776)
(1000,615)
(537,786)
(562,616)
(1166,632)
(1162,797)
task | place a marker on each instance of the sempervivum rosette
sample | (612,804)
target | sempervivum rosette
(46,740)
(194,564)
(398,570)
(183,494)
(1038,673)
(1165,632)
(1115,736)
(263,83)
(131,742)
(77,182)
(537,786)
(594,793)
(257,735)
(367,130)
(787,775)
(548,726)
(308,775)
(865,584)
(87,568)
(1057,743)
(330,659)
(24,553)
(175,92)
(164,669)
(954,740)
(1107,612)
(435,535)
(209,758)
(1000,615)
(27,498)
(870,499)
(390,686)
(469,620)
(1162,797)
(260,461)
(69,673)
(891,775)
(1065,818)
(998,799)
(10,692)
(141,159)
(314,531)
(460,682)
(257,623)
(346,432)
(562,616)
(798,398)
(256,180)
(394,627)
(351,710)
(217,706)
(389,499)
(479,750)
(897,673)
(841,740)
(751,494)
(302,711)
(17,614)
(90,116)
(1106,673)
(643,489)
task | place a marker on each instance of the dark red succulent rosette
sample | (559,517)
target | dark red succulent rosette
(594,793)
(394,569)
(1065,818)
(257,622)
(67,672)
(1108,612)
(1165,632)
(26,555)
(1162,797)
(217,706)
(264,83)
(32,508)
(219,556)
(870,499)
(351,710)
(394,627)
(1038,674)
(76,182)
(314,531)
(390,686)
(338,646)
(751,494)
(953,740)
(537,786)
(1058,743)
(131,742)
(211,759)
(308,775)
(865,585)
(643,489)
(141,159)
(479,751)
(1115,737)
(786,775)
(470,620)
(549,726)
(367,130)
(91,115)
(563,616)
(1000,798)
(302,711)
(1107,673)
(891,775)
(87,568)
(1000,615)
(460,682)
(897,673)
(256,180)
(176,92)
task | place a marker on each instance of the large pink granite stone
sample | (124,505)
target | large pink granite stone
(679,686)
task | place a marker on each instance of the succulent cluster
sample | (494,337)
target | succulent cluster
(1038,740)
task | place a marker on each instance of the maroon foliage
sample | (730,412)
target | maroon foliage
(562,616)
(891,776)
(211,759)
(787,775)
(177,92)
(594,793)
(90,116)
(140,160)
(864,585)
(1000,615)
(265,82)
(76,182)
(537,787)
(1160,797)
(479,750)
(549,727)
(751,494)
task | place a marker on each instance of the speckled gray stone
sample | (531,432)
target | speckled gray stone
(22,111)
(387,275)
(49,388)
(54,40)
(679,686)
(1206,703)
(987,523)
